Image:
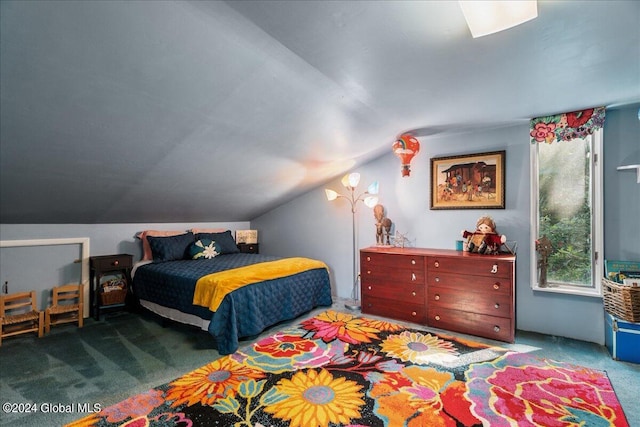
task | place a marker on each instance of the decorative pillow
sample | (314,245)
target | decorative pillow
(204,248)
(207,230)
(170,248)
(146,249)
(224,240)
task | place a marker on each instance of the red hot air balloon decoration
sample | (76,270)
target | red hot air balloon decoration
(405,147)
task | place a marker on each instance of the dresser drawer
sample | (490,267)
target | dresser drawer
(497,328)
(111,262)
(374,261)
(389,274)
(476,266)
(415,313)
(409,293)
(491,304)
(249,248)
(466,283)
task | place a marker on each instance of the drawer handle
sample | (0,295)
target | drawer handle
(368,271)
(496,305)
(436,264)
(437,317)
(437,297)
(116,262)
(494,269)
(369,287)
(413,277)
(413,293)
(437,279)
(496,286)
(413,262)
(368,258)
(413,313)
(496,328)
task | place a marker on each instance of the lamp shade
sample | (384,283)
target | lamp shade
(406,147)
(331,195)
(371,201)
(351,180)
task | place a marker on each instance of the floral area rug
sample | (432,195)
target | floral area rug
(336,369)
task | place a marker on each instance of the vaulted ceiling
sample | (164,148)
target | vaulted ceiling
(178,111)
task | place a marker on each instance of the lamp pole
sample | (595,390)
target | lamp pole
(354,290)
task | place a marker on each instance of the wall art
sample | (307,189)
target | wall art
(470,181)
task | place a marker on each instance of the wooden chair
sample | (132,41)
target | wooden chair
(67,306)
(19,314)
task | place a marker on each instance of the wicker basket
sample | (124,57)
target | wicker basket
(622,301)
(113,297)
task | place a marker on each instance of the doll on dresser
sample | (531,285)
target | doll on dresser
(485,240)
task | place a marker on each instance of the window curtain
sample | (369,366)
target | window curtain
(566,126)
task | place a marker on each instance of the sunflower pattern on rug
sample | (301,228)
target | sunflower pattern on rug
(337,369)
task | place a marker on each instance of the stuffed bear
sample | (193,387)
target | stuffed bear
(485,240)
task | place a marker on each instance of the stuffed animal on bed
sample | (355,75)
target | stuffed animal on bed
(485,240)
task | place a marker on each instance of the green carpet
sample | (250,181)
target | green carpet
(100,364)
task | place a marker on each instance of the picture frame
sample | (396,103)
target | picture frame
(468,181)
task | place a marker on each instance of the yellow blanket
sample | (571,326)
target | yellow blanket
(212,288)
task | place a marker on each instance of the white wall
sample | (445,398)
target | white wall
(312,226)
(621,190)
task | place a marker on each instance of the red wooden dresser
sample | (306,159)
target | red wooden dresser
(447,289)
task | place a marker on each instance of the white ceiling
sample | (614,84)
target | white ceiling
(146,111)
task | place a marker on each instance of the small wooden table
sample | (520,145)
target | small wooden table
(105,265)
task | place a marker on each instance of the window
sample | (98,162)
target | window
(566,202)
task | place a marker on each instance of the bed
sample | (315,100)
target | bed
(259,293)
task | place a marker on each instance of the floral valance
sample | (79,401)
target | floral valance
(566,126)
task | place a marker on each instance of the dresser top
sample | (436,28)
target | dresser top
(433,252)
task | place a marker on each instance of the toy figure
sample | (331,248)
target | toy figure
(386,223)
(383,226)
(485,240)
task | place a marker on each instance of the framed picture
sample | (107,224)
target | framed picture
(472,181)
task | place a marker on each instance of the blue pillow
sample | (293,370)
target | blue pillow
(170,248)
(204,249)
(224,240)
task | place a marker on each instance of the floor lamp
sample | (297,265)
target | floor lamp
(350,182)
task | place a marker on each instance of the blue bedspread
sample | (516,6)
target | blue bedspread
(243,313)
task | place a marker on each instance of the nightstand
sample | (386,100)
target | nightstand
(109,265)
(249,248)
